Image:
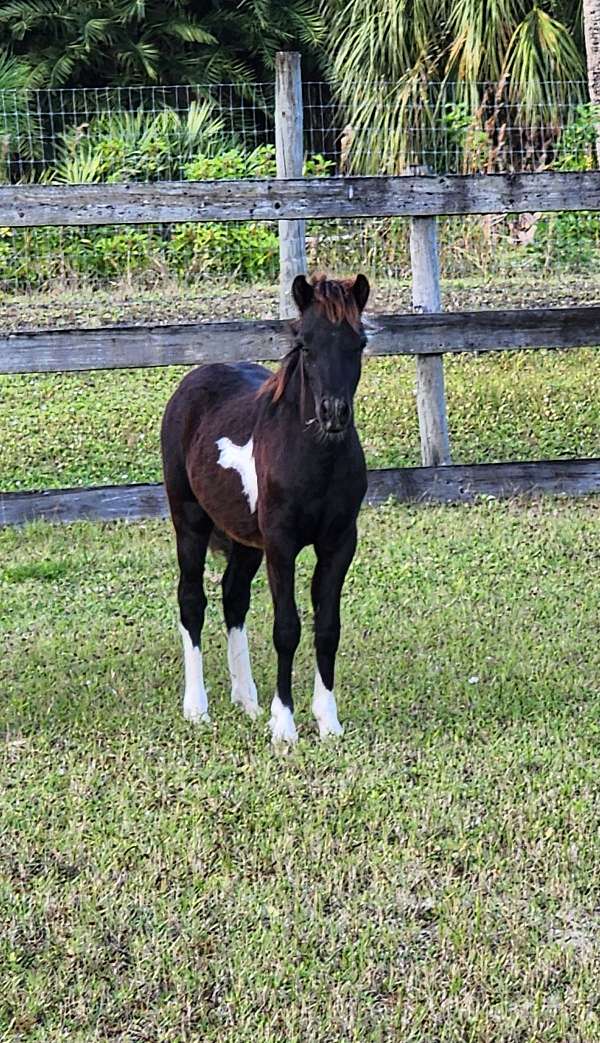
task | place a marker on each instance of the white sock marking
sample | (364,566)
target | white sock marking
(325,709)
(282,724)
(241,459)
(195,699)
(243,689)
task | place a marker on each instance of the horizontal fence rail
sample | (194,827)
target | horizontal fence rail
(28,206)
(454,484)
(129,347)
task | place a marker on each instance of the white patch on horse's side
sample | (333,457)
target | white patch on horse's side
(195,699)
(283,728)
(325,709)
(243,689)
(241,458)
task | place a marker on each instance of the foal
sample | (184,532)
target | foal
(273,461)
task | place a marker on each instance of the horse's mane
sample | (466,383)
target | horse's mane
(333,298)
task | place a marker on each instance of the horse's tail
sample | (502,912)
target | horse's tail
(220,543)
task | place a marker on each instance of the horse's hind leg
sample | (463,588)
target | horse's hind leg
(192,529)
(241,570)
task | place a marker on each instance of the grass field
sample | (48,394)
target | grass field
(431,877)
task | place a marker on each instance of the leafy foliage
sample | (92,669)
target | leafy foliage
(18,126)
(576,150)
(137,146)
(110,42)
(386,60)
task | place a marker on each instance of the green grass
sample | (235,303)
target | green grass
(433,876)
(102,428)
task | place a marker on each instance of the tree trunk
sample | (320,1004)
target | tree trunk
(591,25)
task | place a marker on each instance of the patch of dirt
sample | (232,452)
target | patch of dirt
(86,307)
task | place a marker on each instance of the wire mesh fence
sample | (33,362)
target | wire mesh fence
(145,133)
(227,130)
(451,128)
(445,127)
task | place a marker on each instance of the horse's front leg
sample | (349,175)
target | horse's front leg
(333,561)
(281,565)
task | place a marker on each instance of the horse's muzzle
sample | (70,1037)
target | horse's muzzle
(334,415)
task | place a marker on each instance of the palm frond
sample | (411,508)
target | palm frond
(61,69)
(541,56)
(96,31)
(189,31)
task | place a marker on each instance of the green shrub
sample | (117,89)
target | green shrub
(566,242)
(138,146)
(232,163)
(106,254)
(248,250)
(39,257)
(577,145)
(30,257)
(261,162)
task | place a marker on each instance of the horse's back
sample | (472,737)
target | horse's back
(208,390)
(208,387)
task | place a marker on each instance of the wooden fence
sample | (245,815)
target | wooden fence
(427,333)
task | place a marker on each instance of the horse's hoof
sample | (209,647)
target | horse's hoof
(195,715)
(283,741)
(248,703)
(283,728)
(252,709)
(330,730)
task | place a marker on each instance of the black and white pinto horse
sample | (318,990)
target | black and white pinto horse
(271,461)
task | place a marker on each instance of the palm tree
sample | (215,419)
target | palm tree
(78,43)
(591,22)
(387,56)
(19,137)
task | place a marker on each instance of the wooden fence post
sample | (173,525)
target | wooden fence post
(289,148)
(426,297)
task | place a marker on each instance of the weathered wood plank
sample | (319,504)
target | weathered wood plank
(125,347)
(481,331)
(454,484)
(289,152)
(102,503)
(131,347)
(23,206)
(464,483)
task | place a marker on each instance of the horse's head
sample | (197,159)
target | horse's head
(331,338)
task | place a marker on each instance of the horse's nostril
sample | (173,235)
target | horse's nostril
(334,413)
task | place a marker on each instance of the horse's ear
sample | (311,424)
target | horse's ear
(302,292)
(361,290)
